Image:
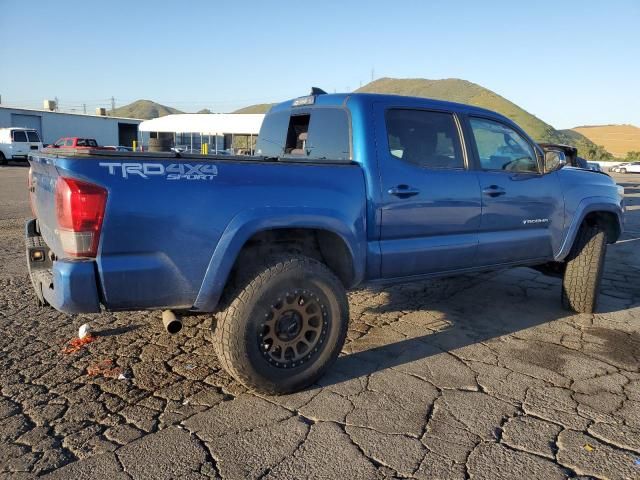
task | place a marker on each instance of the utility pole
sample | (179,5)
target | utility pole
(57,103)
(113,104)
(84,108)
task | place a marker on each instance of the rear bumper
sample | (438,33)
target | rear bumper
(69,286)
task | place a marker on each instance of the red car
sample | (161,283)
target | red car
(79,143)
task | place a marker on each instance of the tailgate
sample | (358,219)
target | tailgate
(43,177)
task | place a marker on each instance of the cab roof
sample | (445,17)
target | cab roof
(366,99)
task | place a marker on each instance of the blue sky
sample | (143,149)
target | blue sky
(568,62)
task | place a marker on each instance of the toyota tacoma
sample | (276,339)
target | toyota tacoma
(345,189)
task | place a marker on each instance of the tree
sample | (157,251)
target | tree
(632,156)
(597,153)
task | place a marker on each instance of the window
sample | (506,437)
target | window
(271,137)
(502,148)
(297,135)
(318,134)
(68,142)
(19,136)
(328,135)
(423,138)
(33,136)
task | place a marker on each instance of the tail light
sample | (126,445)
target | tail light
(80,209)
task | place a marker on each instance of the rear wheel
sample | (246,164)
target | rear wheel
(623,170)
(581,282)
(284,326)
(3,159)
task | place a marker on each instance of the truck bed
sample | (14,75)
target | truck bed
(172,219)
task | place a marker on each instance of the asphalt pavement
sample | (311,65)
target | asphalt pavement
(478,376)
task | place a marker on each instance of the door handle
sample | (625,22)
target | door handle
(494,191)
(403,191)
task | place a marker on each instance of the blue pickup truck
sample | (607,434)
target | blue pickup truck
(345,189)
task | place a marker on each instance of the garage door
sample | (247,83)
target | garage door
(27,121)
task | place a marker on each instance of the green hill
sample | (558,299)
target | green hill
(259,108)
(145,109)
(463,91)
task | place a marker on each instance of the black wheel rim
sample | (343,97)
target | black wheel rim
(294,329)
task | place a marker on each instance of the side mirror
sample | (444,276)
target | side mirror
(554,160)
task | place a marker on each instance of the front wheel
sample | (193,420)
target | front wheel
(3,159)
(284,327)
(581,282)
(623,170)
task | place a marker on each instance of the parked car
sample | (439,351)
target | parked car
(346,189)
(595,166)
(78,143)
(631,167)
(17,143)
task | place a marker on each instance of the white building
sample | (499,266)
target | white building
(221,131)
(53,125)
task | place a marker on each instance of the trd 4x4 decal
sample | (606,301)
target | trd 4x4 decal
(172,171)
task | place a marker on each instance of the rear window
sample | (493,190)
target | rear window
(33,136)
(272,134)
(317,134)
(19,136)
(424,138)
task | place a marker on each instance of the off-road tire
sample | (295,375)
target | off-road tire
(585,263)
(239,325)
(3,159)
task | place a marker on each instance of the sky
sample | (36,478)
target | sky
(568,62)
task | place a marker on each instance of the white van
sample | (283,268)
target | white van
(17,143)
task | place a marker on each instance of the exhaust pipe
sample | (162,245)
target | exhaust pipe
(172,324)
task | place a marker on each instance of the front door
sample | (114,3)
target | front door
(520,205)
(430,201)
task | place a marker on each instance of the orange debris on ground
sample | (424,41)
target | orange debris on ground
(77,344)
(104,368)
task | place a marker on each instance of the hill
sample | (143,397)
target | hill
(259,108)
(617,139)
(145,109)
(463,91)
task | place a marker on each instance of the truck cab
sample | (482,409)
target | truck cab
(76,142)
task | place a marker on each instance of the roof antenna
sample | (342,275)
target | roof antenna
(317,91)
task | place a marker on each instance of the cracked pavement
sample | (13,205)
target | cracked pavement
(478,376)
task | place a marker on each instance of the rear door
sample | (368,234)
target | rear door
(520,204)
(430,201)
(20,143)
(33,138)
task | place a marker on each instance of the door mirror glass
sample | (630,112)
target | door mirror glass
(554,160)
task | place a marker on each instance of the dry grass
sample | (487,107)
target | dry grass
(617,139)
